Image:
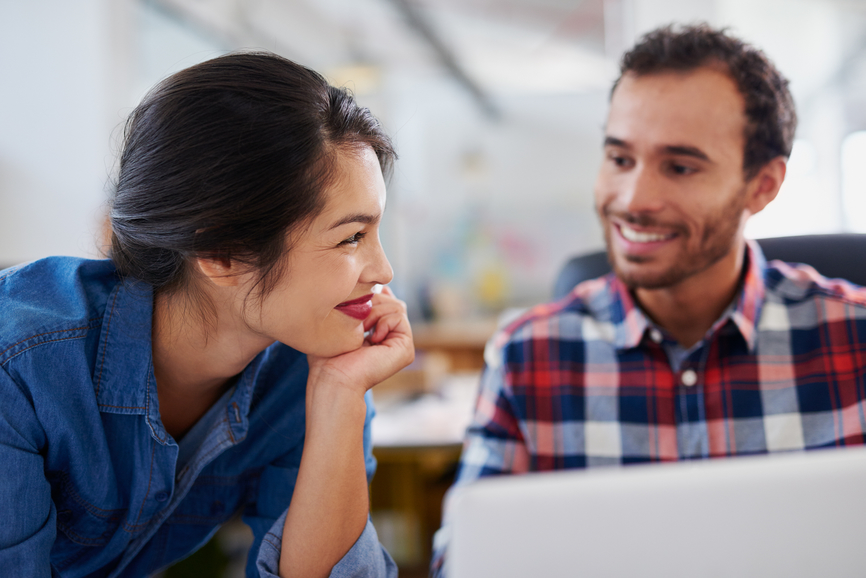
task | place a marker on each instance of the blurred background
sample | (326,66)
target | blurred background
(496,108)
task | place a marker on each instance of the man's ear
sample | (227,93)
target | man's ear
(764,186)
(221,271)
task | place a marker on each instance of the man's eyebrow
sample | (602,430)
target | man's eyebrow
(688,152)
(611,141)
(363,218)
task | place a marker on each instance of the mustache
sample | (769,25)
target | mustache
(642,220)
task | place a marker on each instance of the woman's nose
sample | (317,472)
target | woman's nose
(379,269)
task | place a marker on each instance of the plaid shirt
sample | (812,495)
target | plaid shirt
(586,381)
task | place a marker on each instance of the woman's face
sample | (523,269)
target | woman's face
(319,304)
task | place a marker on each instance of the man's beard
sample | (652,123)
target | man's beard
(717,240)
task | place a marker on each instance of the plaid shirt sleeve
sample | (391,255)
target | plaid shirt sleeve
(494,441)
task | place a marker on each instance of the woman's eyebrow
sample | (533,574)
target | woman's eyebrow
(364,218)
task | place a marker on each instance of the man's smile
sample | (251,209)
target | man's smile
(636,236)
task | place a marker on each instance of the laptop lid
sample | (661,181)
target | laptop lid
(787,515)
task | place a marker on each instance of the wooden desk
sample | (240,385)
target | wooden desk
(411,480)
(461,341)
(406,501)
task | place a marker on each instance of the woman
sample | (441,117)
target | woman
(221,360)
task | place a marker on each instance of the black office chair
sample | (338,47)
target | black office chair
(841,255)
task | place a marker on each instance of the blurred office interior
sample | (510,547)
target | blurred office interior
(496,108)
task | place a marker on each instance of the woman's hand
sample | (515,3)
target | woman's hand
(329,507)
(387,349)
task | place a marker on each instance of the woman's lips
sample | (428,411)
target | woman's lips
(358,308)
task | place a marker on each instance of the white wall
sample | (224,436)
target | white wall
(55,58)
(71,73)
(484,206)
(477,206)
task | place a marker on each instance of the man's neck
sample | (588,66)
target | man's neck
(688,309)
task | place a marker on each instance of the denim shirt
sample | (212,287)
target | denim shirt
(90,485)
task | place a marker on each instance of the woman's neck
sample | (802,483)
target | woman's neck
(197,355)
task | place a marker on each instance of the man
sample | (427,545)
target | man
(695,347)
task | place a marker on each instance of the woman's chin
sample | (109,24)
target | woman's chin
(346,343)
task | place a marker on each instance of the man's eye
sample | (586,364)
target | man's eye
(619,160)
(353,240)
(681,169)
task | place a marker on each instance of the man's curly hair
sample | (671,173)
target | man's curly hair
(771,118)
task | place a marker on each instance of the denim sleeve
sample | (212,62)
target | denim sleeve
(366,559)
(29,524)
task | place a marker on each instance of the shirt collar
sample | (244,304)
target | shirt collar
(124,378)
(750,300)
(124,363)
(631,324)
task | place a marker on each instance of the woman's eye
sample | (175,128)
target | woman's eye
(353,240)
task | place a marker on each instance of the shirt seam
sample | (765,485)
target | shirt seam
(220,446)
(90,325)
(105,342)
(13,269)
(270,538)
(146,493)
(95,510)
(101,405)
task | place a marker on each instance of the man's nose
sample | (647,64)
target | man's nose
(642,191)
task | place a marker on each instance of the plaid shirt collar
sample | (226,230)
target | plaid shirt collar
(631,324)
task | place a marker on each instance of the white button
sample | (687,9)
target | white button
(689,378)
(656,335)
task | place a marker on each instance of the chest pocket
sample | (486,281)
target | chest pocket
(214,499)
(83,529)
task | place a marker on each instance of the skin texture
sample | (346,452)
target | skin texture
(335,258)
(672,197)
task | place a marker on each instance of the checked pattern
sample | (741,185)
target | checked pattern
(586,381)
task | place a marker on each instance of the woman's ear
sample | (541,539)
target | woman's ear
(221,271)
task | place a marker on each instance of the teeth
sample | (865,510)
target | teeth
(638,237)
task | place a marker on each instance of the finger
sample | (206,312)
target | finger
(390,303)
(380,309)
(391,325)
(386,298)
(382,329)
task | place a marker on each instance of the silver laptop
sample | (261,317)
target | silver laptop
(783,515)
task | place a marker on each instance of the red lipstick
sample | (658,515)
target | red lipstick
(358,308)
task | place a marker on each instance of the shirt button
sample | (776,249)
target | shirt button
(689,377)
(656,335)
(161,496)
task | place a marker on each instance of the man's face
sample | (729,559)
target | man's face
(670,193)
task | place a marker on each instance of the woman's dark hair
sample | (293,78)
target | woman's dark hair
(771,118)
(224,159)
